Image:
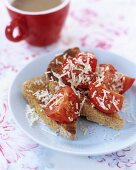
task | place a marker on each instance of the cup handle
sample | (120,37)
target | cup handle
(22,30)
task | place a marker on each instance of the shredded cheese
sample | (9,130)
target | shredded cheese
(77,106)
(81,105)
(83,128)
(43,95)
(65,56)
(59,77)
(117,82)
(46,98)
(102,100)
(70,119)
(77,66)
(115,103)
(58,62)
(31,115)
(105,92)
(47,72)
(100,75)
(101,103)
(94,93)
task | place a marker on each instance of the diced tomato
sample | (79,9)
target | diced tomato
(121,83)
(86,58)
(64,106)
(105,74)
(105,100)
(108,76)
(127,83)
(79,71)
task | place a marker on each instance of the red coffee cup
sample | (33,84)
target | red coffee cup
(37,28)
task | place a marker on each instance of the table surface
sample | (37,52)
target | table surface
(104,24)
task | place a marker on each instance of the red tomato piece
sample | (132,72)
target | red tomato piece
(79,71)
(127,83)
(108,76)
(105,100)
(64,106)
(105,74)
(86,58)
(121,83)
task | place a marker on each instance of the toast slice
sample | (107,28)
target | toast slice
(94,115)
(88,111)
(42,83)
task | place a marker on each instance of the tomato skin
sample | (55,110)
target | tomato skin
(121,83)
(114,80)
(73,68)
(85,56)
(108,68)
(108,71)
(103,102)
(64,108)
(126,81)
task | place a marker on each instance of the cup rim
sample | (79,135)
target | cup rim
(52,10)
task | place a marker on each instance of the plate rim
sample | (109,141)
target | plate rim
(50,146)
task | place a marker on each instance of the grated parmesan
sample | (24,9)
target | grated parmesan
(100,75)
(117,83)
(77,64)
(81,105)
(59,77)
(94,93)
(101,103)
(31,115)
(65,56)
(70,119)
(101,100)
(115,103)
(83,128)
(43,95)
(58,62)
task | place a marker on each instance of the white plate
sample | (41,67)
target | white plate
(99,139)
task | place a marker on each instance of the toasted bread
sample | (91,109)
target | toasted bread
(29,88)
(113,121)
